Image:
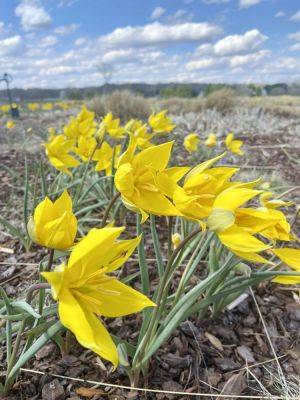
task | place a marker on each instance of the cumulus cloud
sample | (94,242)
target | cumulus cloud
(80,41)
(157,13)
(279,14)
(66,3)
(33,15)
(157,33)
(294,36)
(296,17)
(66,29)
(1,26)
(239,44)
(202,63)
(10,46)
(238,61)
(248,3)
(48,41)
(179,16)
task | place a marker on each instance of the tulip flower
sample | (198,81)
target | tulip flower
(138,130)
(160,123)
(224,222)
(85,147)
(191,142)
(10,124)
(211,140)
(113,127)
(267,200)
(234,145)
(106,157)
(290,257)
(53,224)
(176,239)
(85,290)
(144,181)
(58,150)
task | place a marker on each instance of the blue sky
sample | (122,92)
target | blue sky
(64,43)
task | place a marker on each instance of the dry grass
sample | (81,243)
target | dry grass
(223,100)
(123,104)
(283,106)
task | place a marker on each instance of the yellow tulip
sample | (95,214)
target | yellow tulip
(176,240)
(290,257)
(138,131)
(47,106)
(161,123)
(234,145)
(268,201)
(10,124)
(211,140)
(86,291)
(105,157)
(144,181)
(191,142)
(113,127)
(224,222)
(86,146)
(53,224)
(58,150)
(33,106)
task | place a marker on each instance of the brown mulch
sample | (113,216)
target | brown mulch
(202,356)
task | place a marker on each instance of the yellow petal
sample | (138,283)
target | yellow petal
(203,166)
(287,280)
(290,257)
(232,198)
(115,299)
(155,156)
(220,219)
(239,240)
(87,328)
(253,257)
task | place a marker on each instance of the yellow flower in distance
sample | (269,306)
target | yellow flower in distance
(86,146)
(58,150)
(10,124)
(112,126)
(53,224)
(191,142)
(138,130)
(290,257)
(234,145)
(211,140)
(86,291)
(145,182)
(161,123)
(33,106)
(105,156)
(47,106)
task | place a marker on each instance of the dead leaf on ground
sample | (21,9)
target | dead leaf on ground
(214,341)
(235,385)
(88,392)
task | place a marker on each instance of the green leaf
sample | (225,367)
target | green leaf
(158,253)
(8,324)
(37,345)
(25,307)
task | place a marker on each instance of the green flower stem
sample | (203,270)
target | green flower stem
(156,312)
(108,208)
(16,347)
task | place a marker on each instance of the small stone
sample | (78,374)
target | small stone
(295,314)
(53,391)
(45,351)
(171,386)
(226,364)
(246,353)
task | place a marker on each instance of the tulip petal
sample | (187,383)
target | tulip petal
(155,156)
(290,257)
(233,198)
(86,256)
(87,328)
(253,257)
(238,239)
(116,299)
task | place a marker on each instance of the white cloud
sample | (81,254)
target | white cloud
(1,26)
(48,41)
(10,46)
(66,29)
(248,3)
(33,15)
(238,61)
(80,41)
(296,17)
(239,44)
(294,36)
(279,14)
(66,3)
(215,1)
(157,33)
(157,13)
(295,47)
(179,16)
(202,63)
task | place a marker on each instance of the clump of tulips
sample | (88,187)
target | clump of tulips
(240,230)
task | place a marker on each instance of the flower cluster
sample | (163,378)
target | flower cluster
(192,141)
